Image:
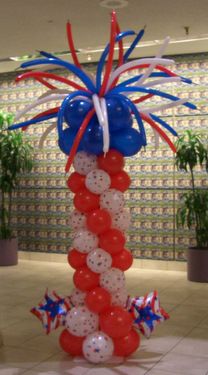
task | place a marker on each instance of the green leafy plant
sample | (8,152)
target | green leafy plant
(192,150)
(15,158)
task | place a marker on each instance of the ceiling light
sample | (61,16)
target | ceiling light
(114,4)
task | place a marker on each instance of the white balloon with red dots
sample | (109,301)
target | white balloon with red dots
(98,347)
(85,241)
(80,321)
(77,220)
(112,200)
(121,220)
(120,297)
(98,260)
(97,181)
(84,163)
(112,280)
(77,297)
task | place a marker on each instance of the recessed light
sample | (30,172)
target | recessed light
(114,4)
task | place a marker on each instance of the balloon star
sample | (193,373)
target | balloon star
(147,312)
(98,112)
(52,311)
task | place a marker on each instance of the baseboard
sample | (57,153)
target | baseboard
(138,263)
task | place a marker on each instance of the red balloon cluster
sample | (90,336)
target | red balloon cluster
(114,320)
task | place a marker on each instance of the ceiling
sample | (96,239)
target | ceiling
(30,25)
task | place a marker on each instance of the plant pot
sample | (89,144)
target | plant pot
(197,264)
(8,252)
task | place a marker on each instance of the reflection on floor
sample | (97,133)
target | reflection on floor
(178,346)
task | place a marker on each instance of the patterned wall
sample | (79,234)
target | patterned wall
(42,204)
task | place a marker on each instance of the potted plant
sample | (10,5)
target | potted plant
(192,151)
(15,158)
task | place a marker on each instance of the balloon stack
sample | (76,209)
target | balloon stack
(94,122)
(99,257)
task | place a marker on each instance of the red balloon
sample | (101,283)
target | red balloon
(85,201)
(98,300)
(98,221)
(112,162)
(124,346)
(120,181)
(71,344)
(75,182)
(116,322)
(112,241)
(76,259)
(85,279)
(123,260)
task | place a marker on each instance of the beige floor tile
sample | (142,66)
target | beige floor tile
(165,337)
(194,344)
(20,357)
(161,372)
(62,363)
(12,371)
(43,343)
(189,316)
(204,323)
(183,364)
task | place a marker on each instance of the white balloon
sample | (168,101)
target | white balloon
(97,181)
(84,162)
(121,220)
(134,63)
(78,297)
(38,102)
(77,220)
(112,200)
(112,280)
(98,260)
(120,297)
(80,321)
(85,241)
(106,132)
(98,347)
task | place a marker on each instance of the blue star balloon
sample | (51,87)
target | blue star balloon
(52,310)
(146,312)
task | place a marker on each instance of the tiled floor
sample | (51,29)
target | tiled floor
(178,346)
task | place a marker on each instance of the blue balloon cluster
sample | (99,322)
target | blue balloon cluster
(123,137)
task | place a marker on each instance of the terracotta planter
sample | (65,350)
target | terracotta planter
(8,252)
(197,264)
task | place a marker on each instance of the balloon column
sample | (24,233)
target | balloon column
(95,129)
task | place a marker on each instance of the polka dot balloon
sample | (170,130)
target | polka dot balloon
(77,220)
(78,297)
(120,297)
(98,347)
(80,321)
(112,280)
(97,181)
(84,163)
(85,241)
(121,220)
(112,200)
(98,260)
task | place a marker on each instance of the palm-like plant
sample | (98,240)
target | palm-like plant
(192,150)
(15,158)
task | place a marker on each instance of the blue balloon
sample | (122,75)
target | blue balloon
(119,114)
(93,139)
(127,141)
(75,112)
(66,141)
